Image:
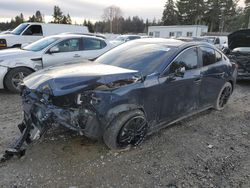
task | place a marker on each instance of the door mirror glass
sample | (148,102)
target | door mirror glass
(53,50)
(180,72)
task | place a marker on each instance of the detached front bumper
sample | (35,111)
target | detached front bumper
(3,72)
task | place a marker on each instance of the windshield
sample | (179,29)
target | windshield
(40,44)
(146,58)
(19,29)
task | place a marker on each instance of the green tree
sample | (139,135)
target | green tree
(58,15)
(37,17)
(190,11)
(170,15)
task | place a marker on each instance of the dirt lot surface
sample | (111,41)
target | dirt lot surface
(211,149)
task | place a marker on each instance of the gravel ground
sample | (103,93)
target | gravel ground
(211,149)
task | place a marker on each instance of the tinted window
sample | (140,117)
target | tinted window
(133,37)
(145,58)
(69,45)
(34,30)
(208,56)
(93,44)
(188,59)
(218,56)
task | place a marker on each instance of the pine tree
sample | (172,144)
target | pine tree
(170,16)
(190,11)
(58,15)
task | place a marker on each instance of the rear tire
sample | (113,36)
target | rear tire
(223,96)
(127,129)
(14,77)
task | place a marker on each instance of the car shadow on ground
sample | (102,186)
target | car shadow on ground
(3,91)
(243,82)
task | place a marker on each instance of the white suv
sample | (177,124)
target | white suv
(15,64)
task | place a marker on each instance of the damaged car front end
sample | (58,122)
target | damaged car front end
(79,105)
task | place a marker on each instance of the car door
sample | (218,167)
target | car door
(66,51)
(93,48)
(213,72)
(181,85)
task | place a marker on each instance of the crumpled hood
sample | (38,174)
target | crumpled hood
(15,53)
(67,79)
(239,38)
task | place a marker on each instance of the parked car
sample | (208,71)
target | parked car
(219,41)
(191,39)
(238,51)
(124,38)
(30,32)
(129,92)
(15,64)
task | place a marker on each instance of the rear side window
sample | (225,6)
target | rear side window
(208,56)
(35,30)
(93,44)
(188,59)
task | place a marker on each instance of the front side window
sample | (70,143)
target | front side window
(69,45)
(208,56)
(93,44)
(35,30)
(187,59)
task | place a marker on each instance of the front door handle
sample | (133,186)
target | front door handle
(197,80)
(76,55)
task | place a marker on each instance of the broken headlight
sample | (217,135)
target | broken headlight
(88,98)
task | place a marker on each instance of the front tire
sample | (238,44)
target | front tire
(14,77)
(127,129)
(223,97)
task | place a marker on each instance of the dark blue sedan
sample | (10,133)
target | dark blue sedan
(129,92)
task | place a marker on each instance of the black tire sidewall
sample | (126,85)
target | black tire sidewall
(8,79)
(112,131)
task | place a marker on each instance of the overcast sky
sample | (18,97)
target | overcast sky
(80,9)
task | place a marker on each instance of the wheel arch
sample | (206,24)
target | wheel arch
(11,68)
(115,111)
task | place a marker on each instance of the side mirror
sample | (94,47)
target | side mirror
(23,45)
(53,50)
(180,72)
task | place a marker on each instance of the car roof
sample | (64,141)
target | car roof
(172,42)
(66,36)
